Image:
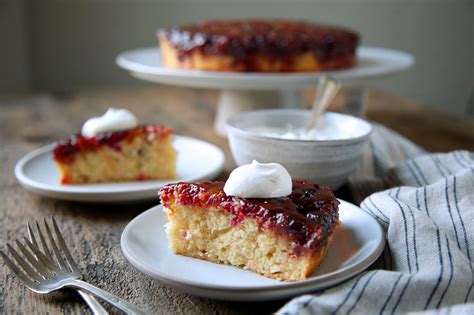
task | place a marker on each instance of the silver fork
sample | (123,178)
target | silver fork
(94,305)
(45,272)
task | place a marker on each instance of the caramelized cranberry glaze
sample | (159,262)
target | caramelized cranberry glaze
(308,215)
(282,39)
(64,150)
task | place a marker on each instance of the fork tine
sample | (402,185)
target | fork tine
(34,246)
(27,268)
(36,263)
(31,235)
(59,258)
(43,241)
(21,275)
(64,248)
(46,260)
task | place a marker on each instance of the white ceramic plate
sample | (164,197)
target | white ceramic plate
(357,244)
(145,64)
(197,161)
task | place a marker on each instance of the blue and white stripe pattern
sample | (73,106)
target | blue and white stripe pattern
(425,204)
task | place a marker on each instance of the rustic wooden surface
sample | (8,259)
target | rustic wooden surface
(93,231)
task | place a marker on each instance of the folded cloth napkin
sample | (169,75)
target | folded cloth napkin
(428,219)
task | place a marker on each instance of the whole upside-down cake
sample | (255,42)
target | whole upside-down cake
(258,45)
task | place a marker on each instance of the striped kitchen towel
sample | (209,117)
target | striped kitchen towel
(425,204)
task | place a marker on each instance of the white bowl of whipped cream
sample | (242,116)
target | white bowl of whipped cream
(325,155)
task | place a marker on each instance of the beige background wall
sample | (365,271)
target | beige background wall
(68,44)
(14,60)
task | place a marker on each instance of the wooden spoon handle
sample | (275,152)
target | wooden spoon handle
(327,90)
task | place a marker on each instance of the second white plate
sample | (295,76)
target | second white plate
(356,245)
(197,161)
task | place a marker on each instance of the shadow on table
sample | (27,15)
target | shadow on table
(253,307)
(86,211)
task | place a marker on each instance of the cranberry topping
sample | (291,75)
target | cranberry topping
(308,215)
(64,150)
(142,177)
(282,39)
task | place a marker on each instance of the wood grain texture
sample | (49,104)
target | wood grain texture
(93,231)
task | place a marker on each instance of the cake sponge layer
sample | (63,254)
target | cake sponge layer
(210,234)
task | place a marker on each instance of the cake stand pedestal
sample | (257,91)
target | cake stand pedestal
(249,91)
(232,102)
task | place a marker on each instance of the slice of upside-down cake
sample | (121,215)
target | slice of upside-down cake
(283,238)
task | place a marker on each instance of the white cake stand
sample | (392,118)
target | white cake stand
(247,91)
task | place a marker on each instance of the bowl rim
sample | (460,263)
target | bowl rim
(230,125)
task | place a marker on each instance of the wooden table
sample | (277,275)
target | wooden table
(93,231)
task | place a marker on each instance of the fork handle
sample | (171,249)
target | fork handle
(106,296)
(94,305)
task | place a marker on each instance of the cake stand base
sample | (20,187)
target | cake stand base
(232,102)
(243,91)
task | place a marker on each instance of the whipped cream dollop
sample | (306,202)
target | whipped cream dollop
(259,180)
(112,120)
